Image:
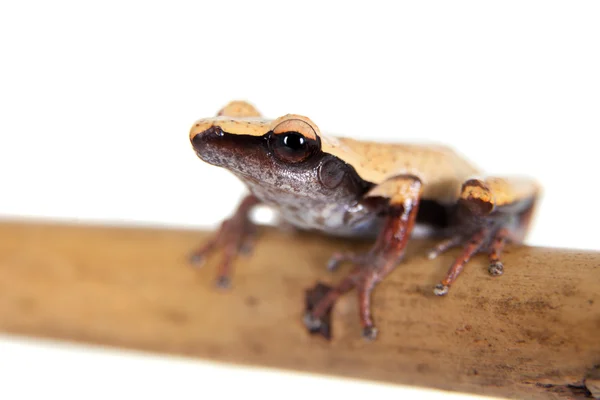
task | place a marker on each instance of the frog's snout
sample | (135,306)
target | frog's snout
(205,129)
(213,144)
(213,130)
(203,140)
(200,138)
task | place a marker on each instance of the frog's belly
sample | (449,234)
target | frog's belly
(341,216)
(332,219)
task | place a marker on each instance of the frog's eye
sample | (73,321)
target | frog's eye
(294,141)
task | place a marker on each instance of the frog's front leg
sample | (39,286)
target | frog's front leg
(234,236)
(403,193)
(489,214)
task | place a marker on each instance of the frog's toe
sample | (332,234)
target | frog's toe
(199,256)
(369,333)
(474,243)
(496,268)
(223,282)
(250,234)
(489,214)
(443,246)
(491,240)
(197,260)
(317,319)
(339,258)
(441,290)
(311,322)
(236,236)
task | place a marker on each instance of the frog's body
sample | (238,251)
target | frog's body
(349,187)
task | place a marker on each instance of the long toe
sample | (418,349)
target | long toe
(441,290)
(223,282)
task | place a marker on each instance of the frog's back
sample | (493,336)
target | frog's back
(440,168)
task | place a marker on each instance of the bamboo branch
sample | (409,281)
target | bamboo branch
(532,333)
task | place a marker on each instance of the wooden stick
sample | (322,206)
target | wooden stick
(532,333)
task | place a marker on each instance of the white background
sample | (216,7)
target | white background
(96,101)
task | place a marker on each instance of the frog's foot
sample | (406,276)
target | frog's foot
(235,236)
(489,224)
(320,301)
(322,325)
(472,245)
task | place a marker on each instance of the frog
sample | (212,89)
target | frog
(385,192)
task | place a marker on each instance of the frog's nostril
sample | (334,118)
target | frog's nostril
(214,130)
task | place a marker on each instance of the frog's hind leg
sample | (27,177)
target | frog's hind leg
(489,214)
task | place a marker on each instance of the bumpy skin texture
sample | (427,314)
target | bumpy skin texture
(352,188)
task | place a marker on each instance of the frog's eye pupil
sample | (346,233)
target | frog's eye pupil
(292,147)
(294,141)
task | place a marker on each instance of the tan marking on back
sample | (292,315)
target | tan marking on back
(440,169)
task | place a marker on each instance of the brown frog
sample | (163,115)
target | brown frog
(353,188)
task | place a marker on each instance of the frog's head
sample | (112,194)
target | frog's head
(285,153)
